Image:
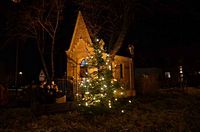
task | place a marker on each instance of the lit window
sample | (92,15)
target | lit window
(83,63)
(83,68)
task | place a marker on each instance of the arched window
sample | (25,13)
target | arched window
(83,69)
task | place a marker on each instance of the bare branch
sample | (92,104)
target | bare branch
(46,29)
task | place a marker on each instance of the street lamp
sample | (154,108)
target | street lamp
(131,50)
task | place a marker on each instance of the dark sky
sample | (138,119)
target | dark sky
(165,35)
(170,32)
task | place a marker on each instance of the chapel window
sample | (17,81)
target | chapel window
(83,69)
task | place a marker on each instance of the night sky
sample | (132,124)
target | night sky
(170,32)
(166,35)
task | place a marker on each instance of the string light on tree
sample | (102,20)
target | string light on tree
(99,86)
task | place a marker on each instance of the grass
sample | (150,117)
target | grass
(160,112)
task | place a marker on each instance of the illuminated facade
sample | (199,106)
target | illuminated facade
(80,49)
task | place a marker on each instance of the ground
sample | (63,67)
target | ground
(166,111)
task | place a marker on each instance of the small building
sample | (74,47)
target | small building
(147,80)
(78,51)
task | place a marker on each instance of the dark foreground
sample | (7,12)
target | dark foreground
(171,111)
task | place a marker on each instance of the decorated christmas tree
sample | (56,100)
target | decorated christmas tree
(98,86)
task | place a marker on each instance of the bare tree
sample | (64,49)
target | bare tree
(50,23)
(40,20)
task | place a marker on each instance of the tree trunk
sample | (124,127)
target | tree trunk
(43,61)
(117,45)
(53,36)
(52,59)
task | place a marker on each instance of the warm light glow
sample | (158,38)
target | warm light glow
(97,101)
(87,92)
(181,75)
(109,67)
(97,39)
(180,68)
(16,1)
(109,104)
(99,86)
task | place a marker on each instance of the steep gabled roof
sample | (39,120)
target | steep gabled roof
(80,32)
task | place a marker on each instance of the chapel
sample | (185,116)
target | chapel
(78,52)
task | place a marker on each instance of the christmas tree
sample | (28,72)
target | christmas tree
(98,86)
